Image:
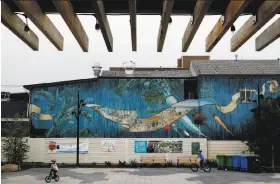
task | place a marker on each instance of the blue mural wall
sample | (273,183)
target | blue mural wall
(231,112)
(148,108)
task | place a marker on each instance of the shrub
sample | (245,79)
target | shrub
(15,147)
(108,163)
(133,163)
(122,164)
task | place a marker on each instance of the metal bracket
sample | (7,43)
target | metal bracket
(192,19)
(254,19)
(223,19)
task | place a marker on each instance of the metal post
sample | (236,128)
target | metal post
(78,128)
(259,101)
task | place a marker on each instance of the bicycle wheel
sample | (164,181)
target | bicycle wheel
(57,178)
(48,179)
(206,168)
(194,167)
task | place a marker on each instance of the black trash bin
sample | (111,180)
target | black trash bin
(254,164)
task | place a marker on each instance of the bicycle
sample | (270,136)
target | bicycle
(51,177)
(206,167)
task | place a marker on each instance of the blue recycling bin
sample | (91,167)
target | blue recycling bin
(236,162)
(243,163)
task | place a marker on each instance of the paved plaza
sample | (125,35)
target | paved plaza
(139,176)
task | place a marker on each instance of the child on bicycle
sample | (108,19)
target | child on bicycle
(199,155)
(54,168)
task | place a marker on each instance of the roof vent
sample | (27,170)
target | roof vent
(96,69)
(236,57)
(129,67)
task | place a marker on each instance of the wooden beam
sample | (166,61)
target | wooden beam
(67,12)
(33,11)
(265,12)
(268,36)
(132,10)
(200,10)
(233,11)
(101,17)
(16,25)
(167,10)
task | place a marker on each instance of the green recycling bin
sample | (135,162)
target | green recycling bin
(229,164)
(221,164)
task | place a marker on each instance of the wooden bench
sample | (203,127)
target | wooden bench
(186,159)
(161,159)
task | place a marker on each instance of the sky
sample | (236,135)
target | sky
(20,65)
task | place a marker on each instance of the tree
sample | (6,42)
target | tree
(263,132)
(15,144)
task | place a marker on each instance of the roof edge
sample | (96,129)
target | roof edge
(30,86)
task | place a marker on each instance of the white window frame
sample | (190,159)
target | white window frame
(246,99)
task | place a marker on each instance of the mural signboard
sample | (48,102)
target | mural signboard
(108,146)
(140,146)
(165,147)
(158,146)
(62,148)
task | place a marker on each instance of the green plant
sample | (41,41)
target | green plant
(108,163)
(133,163)
(263,132)
(169,163)
(15,146)
(122,164)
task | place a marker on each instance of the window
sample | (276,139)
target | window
(190,89)
(245,95)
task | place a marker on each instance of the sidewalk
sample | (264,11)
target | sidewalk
(139,176)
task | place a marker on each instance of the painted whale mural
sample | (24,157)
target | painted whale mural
(173,115)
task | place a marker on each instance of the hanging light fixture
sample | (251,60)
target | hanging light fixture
(170,20)
(26,27)
(232,29)
(97,27)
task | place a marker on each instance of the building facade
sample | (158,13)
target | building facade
(14,110)
(213,100)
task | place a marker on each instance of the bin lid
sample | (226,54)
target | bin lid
(228,155)
(253,156)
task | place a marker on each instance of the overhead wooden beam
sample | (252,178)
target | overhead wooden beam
(200,10)
(67,12)
(132,10)
(16,25)
(268,36)
(33,11)
(265,12)
(233,11)
(167,10)
(101,17)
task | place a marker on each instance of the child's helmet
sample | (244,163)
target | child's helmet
(200,151)
(53,160)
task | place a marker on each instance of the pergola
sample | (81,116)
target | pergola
(261,12)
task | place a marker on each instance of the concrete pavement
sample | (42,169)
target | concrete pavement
(139,176)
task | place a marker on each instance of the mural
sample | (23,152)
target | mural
(149,108)
(63,148)
(108,146)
